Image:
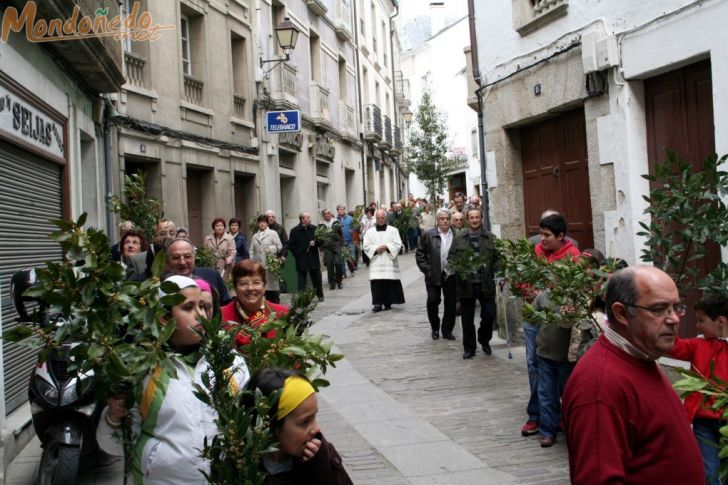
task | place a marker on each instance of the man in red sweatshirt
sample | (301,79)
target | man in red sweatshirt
(553,245)
(623,421)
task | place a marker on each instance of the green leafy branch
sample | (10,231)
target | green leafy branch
(465,263)
(274,266)
(144,212)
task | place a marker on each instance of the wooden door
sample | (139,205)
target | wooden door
(194,207)
(556,175)
(679,116)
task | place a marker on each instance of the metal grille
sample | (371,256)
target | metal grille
(30,195)
(59,369)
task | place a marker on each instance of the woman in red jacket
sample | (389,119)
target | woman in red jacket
(250,308)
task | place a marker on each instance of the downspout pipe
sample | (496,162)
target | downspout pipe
(361,107)
(108,180)
(394,90)
(481,150)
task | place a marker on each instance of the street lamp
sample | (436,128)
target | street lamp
(407,115)
(286,35)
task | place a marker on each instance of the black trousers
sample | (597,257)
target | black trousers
(315,279)
(447,290)
(487,318)
(332,260)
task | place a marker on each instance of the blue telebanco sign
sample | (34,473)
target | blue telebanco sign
(283,121)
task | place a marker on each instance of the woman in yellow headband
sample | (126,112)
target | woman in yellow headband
(304,456)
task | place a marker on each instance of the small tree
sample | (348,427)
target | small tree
(427,148)
(687,211)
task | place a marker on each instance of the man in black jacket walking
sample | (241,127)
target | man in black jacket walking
(302,244)
(431,257)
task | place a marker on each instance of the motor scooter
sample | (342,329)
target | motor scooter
(64,410)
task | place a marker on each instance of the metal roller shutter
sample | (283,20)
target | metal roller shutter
(30,195)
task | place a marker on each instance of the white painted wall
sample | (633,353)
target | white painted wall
(440,64)
(654,36)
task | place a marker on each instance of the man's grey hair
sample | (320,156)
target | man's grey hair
(443,211)
(270,213)
(621,289)
(302,215)
(175,240)
(340,206)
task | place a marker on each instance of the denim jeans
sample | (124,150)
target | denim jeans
(708,434)
(529,334)
(552,377)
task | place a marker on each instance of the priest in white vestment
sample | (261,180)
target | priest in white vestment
(381,245)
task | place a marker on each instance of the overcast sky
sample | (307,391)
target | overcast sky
(412,8)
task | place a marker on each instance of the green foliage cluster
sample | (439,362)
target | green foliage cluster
(465,263)
(274,266)
(687,211)
(252,225)
(205,257)
(119,336)
(571,286)
(144,212)
(356,218)
(711,387)
(346,254)
(406,221)
(322,235)
(427,148)
(243,430)
(115,323)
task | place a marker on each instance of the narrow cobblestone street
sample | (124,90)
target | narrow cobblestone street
(403,408)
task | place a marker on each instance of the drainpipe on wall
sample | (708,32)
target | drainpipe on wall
(483,178)
(398,173)
(361,108)
(481,130)
(108,182)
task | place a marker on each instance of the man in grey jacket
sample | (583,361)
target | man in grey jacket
(431,257)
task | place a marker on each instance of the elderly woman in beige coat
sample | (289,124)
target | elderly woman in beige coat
(266,241)
(222,246)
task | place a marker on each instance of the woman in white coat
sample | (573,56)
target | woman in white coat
(266,241)
(382,244)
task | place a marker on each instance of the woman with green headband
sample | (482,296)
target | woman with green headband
(304,456)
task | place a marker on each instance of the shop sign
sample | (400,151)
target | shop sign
(29,125)
(294,140)
(283,121)
(324,147)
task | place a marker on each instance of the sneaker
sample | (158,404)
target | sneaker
(530,428)
(547,441)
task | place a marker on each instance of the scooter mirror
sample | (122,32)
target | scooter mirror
(19,283)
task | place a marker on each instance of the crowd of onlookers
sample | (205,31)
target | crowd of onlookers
(601,385)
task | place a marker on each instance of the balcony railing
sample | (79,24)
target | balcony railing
(238,106)
(134,68)
(320,108)
(284,86)
(401,89)
(193,90)
(342,22)
(397,138)
(386,141)
(372,122)
(347,120)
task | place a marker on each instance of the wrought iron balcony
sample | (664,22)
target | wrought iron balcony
(372,122)
(397,147)
(386,141)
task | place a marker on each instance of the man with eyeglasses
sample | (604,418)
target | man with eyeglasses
(180,260)
(623,421)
